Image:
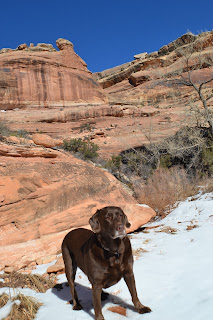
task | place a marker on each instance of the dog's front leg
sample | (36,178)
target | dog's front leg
(96,292)
(130,281)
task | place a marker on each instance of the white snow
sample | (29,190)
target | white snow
(174,277)
(41,269)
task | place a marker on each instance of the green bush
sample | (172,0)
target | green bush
(86,127)
(165,161)
(20,133)
(85,148)
(6,132)
(114,163)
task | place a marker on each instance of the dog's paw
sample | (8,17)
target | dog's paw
(77,307)
(143,309)
(104,295)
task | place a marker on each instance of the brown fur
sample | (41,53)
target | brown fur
(104,255)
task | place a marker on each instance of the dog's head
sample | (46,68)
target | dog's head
(111,221)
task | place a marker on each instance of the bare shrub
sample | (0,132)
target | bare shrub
(3,299)
(26,310)
(194,58)
(164,188)
(33,281)
(206,184)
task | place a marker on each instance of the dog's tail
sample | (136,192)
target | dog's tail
(69,262)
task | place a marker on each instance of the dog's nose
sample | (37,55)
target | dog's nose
(120,227)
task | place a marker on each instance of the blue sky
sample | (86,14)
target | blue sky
(104,33)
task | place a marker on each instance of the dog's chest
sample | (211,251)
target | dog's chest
(115,261)
(114,270)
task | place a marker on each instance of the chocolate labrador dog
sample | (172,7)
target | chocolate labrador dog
(104,255)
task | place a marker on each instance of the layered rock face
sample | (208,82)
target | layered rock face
(41,76)
(142,104)
(45,193)
(143,81)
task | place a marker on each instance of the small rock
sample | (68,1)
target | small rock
(9,269)
(118,309)
(45,45)
(55,268)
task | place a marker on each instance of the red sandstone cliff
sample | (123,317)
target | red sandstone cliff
(41,76)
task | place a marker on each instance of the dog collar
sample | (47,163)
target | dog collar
(116,253)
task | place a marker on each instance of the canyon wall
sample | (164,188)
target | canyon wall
(44,77)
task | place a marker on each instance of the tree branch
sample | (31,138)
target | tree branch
(208,98)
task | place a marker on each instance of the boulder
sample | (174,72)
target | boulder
(63,44)
(42,201)
(140,55)
(184,39)
(45,140)
(25,151)
(22,46)
(139,77)
(6,50)
(47,46)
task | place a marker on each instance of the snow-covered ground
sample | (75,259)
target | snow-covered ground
(174,277)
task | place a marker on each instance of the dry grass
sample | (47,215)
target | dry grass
(137,253)
(168,230)
(206,185)
(26,310)
(165,188)
(33,281)
(3,299)
(192,226)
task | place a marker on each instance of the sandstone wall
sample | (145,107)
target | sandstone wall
(40,77)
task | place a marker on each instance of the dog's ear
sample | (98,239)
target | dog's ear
(127,223)
(94,222)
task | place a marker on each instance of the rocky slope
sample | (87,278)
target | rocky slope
(45,193)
